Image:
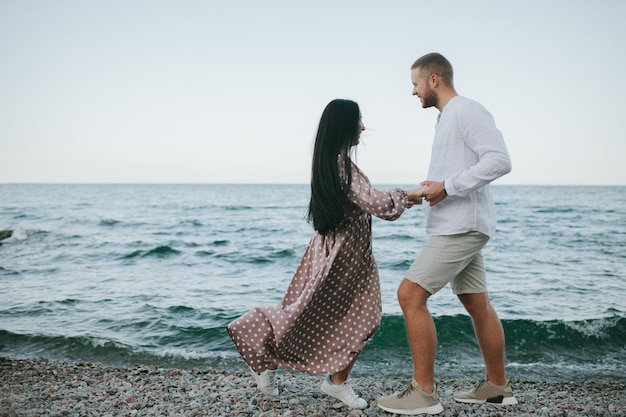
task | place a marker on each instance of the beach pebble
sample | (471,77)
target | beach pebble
(33,387)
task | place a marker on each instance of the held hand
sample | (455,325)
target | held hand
(415,196)
(434,192)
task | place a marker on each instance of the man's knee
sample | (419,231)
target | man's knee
(475,303)
(411,294)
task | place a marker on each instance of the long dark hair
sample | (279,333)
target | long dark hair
(338,131)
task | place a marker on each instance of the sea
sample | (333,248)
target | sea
(149,274)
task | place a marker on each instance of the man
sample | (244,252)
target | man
(468,153)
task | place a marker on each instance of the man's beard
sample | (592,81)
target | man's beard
(430,99)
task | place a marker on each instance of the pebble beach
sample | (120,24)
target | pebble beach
(41,387)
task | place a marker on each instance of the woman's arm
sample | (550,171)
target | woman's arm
(387,205)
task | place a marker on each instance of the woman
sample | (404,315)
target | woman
(332,307)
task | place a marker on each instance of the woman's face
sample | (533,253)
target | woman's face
(360,128)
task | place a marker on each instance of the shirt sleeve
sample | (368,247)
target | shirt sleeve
(482,137)
(387,205)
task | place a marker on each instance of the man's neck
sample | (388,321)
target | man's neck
(444,98)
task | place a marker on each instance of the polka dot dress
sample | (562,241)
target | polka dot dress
(332,307)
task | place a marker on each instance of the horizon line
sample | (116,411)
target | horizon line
(286,183)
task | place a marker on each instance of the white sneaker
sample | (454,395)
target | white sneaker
(266,381)
(343,392)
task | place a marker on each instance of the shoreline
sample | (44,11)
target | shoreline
(42,387)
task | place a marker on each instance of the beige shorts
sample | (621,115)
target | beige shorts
(454,259)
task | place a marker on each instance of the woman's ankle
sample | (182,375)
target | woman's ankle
(337,379)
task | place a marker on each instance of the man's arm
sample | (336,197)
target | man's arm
(484,139)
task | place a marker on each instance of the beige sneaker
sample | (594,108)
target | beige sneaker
(412,400)
(486,392)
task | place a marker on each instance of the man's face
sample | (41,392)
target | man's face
(421,89)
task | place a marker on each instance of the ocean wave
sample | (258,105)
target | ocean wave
(109,222)
(184,336)
(157,252)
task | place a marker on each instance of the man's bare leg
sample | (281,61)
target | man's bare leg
(489,333)
(421,332)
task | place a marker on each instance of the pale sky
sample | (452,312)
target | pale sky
(146,91)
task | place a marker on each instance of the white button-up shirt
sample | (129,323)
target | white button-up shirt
(468,153)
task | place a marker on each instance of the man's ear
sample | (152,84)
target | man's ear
(434,80)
